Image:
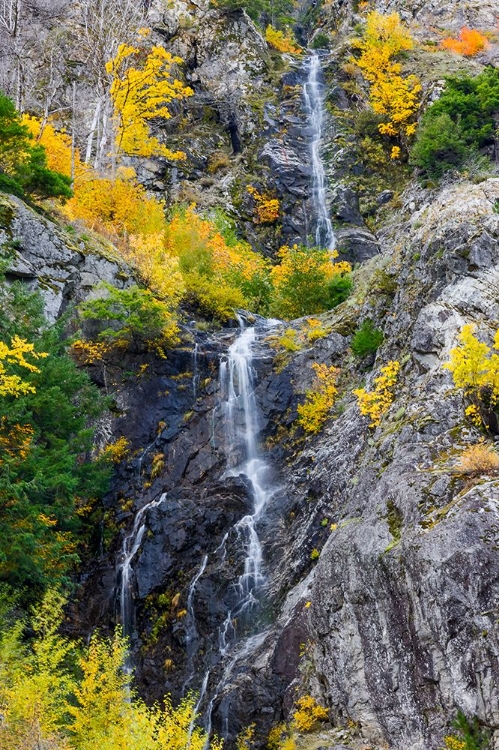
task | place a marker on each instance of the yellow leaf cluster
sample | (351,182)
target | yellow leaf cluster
(15,354)
(319,399)
(116,451)
(308,713)
(453,743)
(374,404)
(282,43)
(89,352)
(266,207)
(391,95)
(474,366)
(15,440)
(116,207)
(141,94)
(159,268)
(57,144)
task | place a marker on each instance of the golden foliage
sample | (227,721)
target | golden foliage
(266,207)
(158,268)
(116,451)
(478,459)
(308,713)
(453,743)
(89,352)
(391,95)
(45,702)
(280,738)
(469,43)
(474,367)
(115,207)
(301,280)
(319,399)
(218,276)
(141,94)
(282,43)
(244,740)
(374,404)
(57,144)
(15,440)
(12,384)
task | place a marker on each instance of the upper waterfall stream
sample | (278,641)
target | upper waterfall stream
(314,109)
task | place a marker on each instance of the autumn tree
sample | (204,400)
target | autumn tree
(391,95)
(58,694)
(103,25)
(308,281)
(23,162)
(141,90)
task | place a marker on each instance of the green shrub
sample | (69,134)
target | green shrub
(366,339)
(462,120)
(321,41)
(339,290)
(130,318)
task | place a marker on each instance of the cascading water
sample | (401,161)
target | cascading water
(314,107)
(239,412)
(129,549)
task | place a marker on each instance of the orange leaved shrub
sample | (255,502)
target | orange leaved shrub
(469,42)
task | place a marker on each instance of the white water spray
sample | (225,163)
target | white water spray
(314,107)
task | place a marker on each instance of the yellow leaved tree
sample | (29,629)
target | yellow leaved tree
(375,403)
(12,384)
(391,95)
(475,369)
(142,86)
(56,694)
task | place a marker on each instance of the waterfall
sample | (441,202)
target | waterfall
(239,415)
(314,108)
(237,383)
(129,548)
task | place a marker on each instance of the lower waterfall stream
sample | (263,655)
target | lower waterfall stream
(238,426)
(239,414)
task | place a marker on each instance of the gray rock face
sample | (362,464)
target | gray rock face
(62,268)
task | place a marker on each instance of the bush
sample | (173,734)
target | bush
(478,459)
(462,120)
(131,318)
(307,281)
(319,399)
(308,713)
(366,339)
(375,403)
(470,42)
